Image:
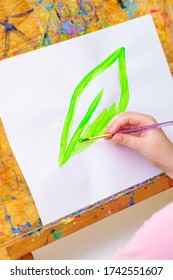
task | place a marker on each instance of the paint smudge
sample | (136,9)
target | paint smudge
(20,227)
(164,16)
(59,9)
(14,230)
(121,3)
(84,6)
(154,11)
(11,28)
(31,233)
(69,28)
(46,40)
(57,234)
(67,221)
(130,7)
(119,206)
(131,201)
(27,225)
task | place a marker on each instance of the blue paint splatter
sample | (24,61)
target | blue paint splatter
(8,218)
(46,40)
(131,7)
(27,225)
(84,13)
(69,28)
(131,201)
(50,6)
(14,230)
(82,6)
(39,2)
(18,229)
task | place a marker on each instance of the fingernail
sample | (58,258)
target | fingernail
(107,128)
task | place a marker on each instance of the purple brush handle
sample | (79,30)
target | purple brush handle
(147,127)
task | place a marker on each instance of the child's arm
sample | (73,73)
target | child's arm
(152,144)
(154,239)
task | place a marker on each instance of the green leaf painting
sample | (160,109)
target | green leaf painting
(73,146)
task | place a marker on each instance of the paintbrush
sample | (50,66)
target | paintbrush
(131,130)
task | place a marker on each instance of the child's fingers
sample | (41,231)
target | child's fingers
(128,140)
(111,123)
(118,117)
(128,119)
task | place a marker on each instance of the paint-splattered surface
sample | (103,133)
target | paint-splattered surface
(42,236)
(18,213)
(29,25)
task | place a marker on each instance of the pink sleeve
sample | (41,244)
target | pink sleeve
(153,241)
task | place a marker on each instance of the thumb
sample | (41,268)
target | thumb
(128,140)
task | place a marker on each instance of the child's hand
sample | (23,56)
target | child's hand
(152,144)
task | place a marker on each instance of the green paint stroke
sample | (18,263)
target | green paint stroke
(85,130)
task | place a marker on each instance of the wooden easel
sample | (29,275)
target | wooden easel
(21,231)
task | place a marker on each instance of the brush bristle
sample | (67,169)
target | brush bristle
(83,140)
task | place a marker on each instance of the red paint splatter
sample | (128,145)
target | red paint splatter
(78,216)
(120,207)
(154,11)
(164,16)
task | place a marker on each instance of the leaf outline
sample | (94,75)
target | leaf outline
(74,145)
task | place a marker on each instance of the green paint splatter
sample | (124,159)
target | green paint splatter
(105,24)
(85,130)
(32,233)
(58,233)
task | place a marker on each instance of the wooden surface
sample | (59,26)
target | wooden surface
(29,256)
(26,26)
(18,213)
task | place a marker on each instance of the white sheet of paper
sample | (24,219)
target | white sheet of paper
(36,89)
